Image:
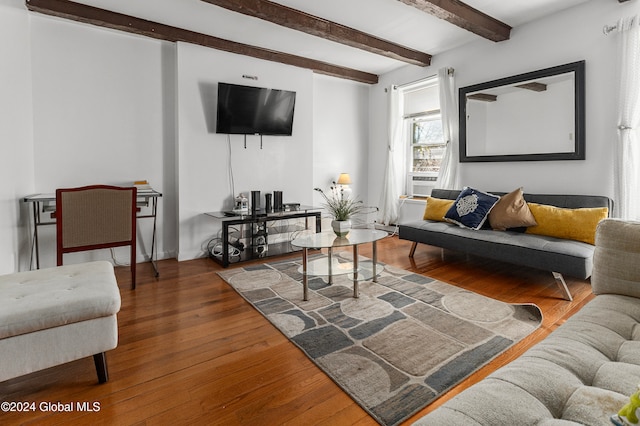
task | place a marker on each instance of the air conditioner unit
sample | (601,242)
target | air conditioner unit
(421,184)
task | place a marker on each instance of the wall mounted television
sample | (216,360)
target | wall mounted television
(247,110)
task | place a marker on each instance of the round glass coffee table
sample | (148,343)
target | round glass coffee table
(329,240)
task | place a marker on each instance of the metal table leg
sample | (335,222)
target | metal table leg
(154,260)
(356,292)
(305,279)
(330,265)
(375,262)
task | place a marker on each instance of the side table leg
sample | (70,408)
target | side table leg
(375,262)
(225,244)
(356,292)
(154,257)
(305,281)
(330,265)
(36,213)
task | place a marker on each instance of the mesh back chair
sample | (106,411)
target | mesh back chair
(96,217)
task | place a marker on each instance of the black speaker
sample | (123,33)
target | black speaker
(277,201)
(267,203)
(255,201)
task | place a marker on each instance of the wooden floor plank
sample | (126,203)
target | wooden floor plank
(192,351)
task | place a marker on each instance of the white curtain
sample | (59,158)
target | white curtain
(448,176)
(394,176)
(627,152)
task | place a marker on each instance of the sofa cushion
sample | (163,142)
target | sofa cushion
(614,250)
(573,224)
(471,208)
(569,257)
(52,297)
(511,211)
(436,208)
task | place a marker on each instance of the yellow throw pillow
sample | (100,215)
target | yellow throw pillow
(511,211)
(570,224)
(436,208)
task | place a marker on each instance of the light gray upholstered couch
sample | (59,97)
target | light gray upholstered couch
(56,315)
(559,256)
(582,372)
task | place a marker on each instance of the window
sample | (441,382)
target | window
(427,143)
(426,149)
(424,136)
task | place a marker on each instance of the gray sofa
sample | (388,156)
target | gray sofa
(559,256)
(585,370)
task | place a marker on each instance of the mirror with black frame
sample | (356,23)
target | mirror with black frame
(533,116)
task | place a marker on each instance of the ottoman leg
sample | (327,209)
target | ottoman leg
(101,367)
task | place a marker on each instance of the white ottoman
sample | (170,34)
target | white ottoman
(56,315)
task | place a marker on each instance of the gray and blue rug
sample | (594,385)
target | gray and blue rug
(404,342)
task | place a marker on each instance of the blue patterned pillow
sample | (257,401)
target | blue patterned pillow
(471,208)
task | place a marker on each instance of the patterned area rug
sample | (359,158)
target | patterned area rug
(406,340)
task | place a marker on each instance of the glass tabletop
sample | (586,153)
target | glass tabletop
(329,239)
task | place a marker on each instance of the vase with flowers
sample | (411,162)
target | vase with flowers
(341,207)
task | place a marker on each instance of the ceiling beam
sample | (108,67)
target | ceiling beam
(533,86)
(464,16)
(108,19)
(486,97)
(319,27)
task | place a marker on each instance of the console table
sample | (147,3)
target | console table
(258,234)
(46,203)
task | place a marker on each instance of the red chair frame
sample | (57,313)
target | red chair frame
(96,217)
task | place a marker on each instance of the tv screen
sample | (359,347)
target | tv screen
(247,110)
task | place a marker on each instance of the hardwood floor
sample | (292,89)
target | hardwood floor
(192,351)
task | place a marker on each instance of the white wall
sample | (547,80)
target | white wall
(103,113)
(340,136)
(330,136)
(16,137)
(112,107)
(569,36)
(284,163)
(102,106)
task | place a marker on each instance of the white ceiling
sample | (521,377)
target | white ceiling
(391,20)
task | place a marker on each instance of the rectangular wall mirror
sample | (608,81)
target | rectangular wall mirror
(536,116)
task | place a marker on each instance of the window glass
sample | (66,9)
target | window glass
(427,143)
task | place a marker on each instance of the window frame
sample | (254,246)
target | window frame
(420,182)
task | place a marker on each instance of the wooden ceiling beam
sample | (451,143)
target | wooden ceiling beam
(118,21)
(319,27)
(533,86)
(464,16)
(486,97)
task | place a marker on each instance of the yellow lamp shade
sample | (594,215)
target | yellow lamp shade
(344,179)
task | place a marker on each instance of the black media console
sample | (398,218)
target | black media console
(261,234)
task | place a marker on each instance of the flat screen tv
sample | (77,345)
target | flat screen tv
(247,110)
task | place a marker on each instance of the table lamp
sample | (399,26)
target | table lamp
(344,180)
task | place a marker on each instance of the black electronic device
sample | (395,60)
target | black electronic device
(259,244)
(268,203)
(247,110)
(291,207)
(255,202)
(277,201)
